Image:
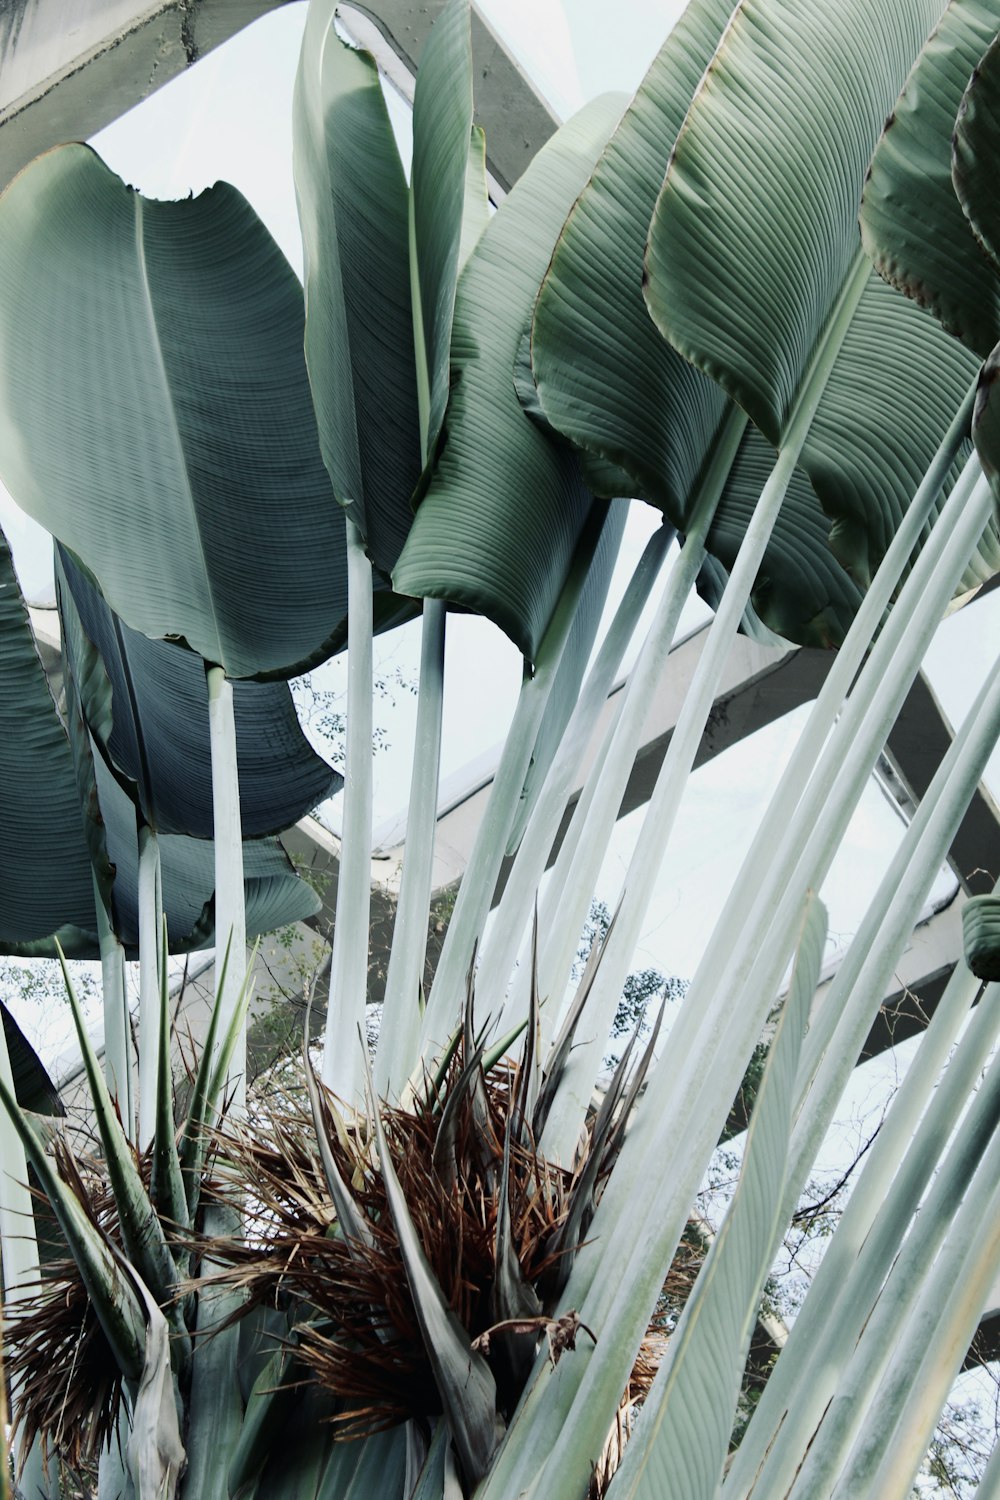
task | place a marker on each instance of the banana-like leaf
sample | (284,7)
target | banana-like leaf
(977,143)
(981,936)
(275,895)
(155,413)
(148,709)
(118,1309)
(678,1450)
(802,593)
(438,1479)
(781,131)
(497,536)
(975,155)
(376,1466)
(444,159)
(33,1088)
(605,377)
(986,421)
(264,1422)
(912,224)
(476,212)
(45,879)
(353,210)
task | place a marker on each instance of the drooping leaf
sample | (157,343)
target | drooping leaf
(981,936)
(155,1453)
(275,895)
(149,711)
(986,420)
(788,113)
(182,322)
(498,537)
(605,376)
(444,176)
(780,131)
(802,593)
(353,210)
(45,880)
(976,143)
(912,224)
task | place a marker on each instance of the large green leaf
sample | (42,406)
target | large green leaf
(912,224)
(445,174)
(780,133)
(155,412)
(45,872)
(802,593)
(353,209)
(498,525)
(275,895)
(977,148)
(148,710)
(605,376)
(977,139)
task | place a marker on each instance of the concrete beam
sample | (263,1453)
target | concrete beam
(517,119)
(70,67)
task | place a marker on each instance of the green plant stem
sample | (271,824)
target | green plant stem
(572,885)
(479,881)
(150,915)
(230,911)
(838,1033)
(662,1150)
(989,1484)
(940,1253)
(343,1069)
(683,1114)
(117,1020)
(397,1051)
(855,1264)
(515,909)
(830,1054)
(801,854)
(726,1024)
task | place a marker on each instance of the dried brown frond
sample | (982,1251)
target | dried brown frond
(59,1362)
(358,1334)
(355,1328)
